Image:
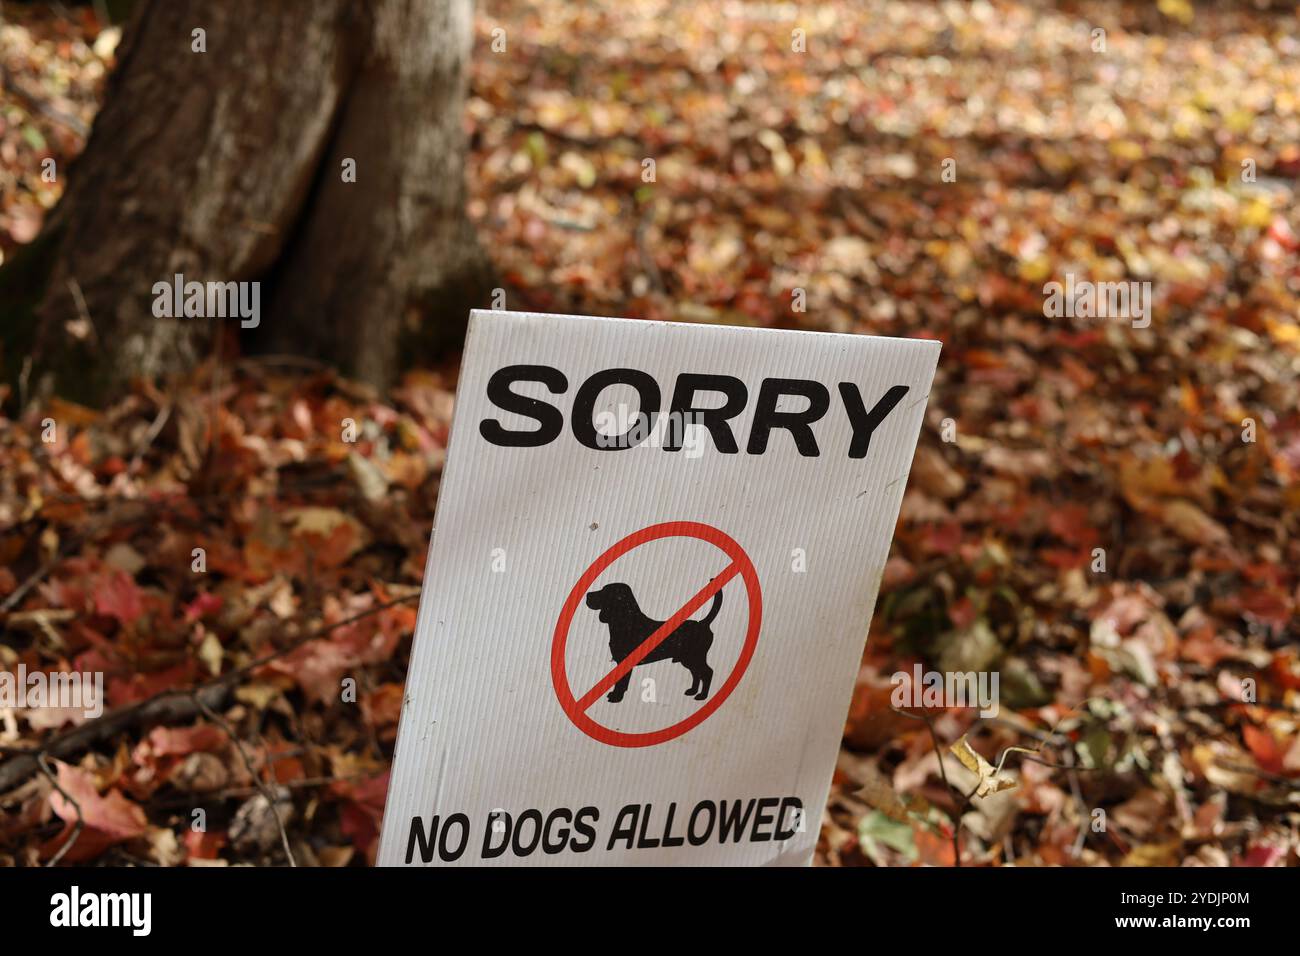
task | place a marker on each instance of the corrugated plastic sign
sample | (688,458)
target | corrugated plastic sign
(656,555)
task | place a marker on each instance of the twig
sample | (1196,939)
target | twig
(1028,754)
(166,705)
(319,632)
(575,139)
(1017,726)
(287,361)
(159,708)
(1075,789)
(81,819)
(152,433)
(34,102)
(82,309)
(234,793)
(20,592)
(1030,758)
(172,500)
(1288,782)
(267,793)
(643,250)
(24,378)
(943,772)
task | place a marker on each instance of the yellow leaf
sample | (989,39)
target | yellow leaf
(1154,854)
(990,780)
(1035,270)
(1179,10)
(1257,214)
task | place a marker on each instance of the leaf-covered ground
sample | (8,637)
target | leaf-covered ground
(1162,691)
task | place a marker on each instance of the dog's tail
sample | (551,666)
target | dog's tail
(713,611)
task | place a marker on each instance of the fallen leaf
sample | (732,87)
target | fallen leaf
(990,780)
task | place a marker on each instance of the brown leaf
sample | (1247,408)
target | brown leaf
(1191,523)
(991,781)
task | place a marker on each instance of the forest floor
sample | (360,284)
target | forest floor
(1107,516)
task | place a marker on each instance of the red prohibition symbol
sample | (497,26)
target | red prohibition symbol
(576,707)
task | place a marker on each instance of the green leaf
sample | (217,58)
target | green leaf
(876,831)
(34,138)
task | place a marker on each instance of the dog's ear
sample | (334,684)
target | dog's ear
(619,601)
(598,600)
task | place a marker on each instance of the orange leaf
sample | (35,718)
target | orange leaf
(1263,747)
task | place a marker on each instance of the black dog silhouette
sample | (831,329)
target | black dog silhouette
(629,627)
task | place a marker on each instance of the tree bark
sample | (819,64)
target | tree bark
(227,165)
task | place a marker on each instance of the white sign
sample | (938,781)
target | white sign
(656,554)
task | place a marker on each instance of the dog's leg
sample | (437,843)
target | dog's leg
(620,688)
(695,681)
(707,680)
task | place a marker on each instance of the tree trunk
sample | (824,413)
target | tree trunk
(228,165)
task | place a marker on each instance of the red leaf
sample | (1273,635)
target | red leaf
(943,538)
(130,690)
(1263,855)
(203,845)
(1263,747)
(108,818)
(179,741)
(1070,524)
(202,606)
(1065,558)
(1268,607)
(362,810)
(117,596)
(110,813)
(962,613)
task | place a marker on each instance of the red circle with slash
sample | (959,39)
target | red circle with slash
(576,708)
